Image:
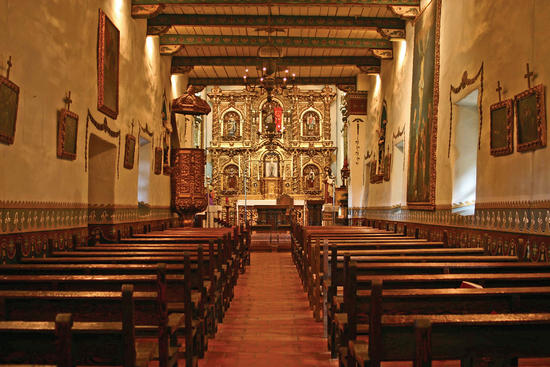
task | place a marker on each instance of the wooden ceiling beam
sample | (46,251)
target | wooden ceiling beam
(218,40)
(280,2)
(298,81)
(276,21)
(178,61)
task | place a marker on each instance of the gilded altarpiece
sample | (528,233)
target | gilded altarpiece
(272,161)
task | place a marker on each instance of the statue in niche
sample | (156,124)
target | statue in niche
(268,113)
(231,174)
(310,177)
(272,117)
(310,124)
(271,165)
(231,124)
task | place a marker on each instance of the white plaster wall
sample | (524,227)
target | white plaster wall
(53,44)
(504,35)
(395,88)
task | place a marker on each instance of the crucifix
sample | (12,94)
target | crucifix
(499,89)
(528,76)
(68,101)
(9,68)
(132,123)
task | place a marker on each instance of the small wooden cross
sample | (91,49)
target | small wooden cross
(9,68)
(528,76)
(68,101)
(499,89)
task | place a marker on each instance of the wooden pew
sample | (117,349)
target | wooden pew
(208,307)
(471,338)
(65,343)
(111,342)
(365,308)
(316,273)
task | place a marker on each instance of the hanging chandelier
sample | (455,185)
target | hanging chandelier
(272,75)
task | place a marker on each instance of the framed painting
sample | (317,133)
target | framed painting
(158,161)
(129,151)
(502,128)
(357,103)
(9,100)
(108,48)
(375,177)
(387,167)
(531,119)
(67,134)
(421,173)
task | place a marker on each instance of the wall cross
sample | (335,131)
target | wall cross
(528,76)
(9,68)
(499,90)
(68,101)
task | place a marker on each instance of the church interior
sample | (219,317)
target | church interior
(282,182)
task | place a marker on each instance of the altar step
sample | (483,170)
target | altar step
(271,241)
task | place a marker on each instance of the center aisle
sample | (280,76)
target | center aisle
(269,322)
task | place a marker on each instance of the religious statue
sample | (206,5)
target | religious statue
(310,124)
(231,121)
(269,117)
(271,166)
(310,179)
(231,126)
(231,174)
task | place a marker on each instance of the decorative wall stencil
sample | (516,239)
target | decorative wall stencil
(421,176)
(465,82)
(101,127)
(502,128)
(158,161)
(9,101)
(67,134)
(129,151)
(108,48)
(531,119)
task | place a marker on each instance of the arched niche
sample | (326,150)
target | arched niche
(310,124)
(271,116)
(311,175)
(231,124)
(231,178)
(272,164)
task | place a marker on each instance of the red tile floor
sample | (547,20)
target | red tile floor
(269,322)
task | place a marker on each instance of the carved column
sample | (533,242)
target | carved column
(328,97)
(248,118)
(215,98)
(295,116)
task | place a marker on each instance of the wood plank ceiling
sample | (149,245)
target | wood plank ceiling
(319,41)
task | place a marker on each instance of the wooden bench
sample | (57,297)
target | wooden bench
(365,308)
(139,313)
(65,343)
(471,338)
